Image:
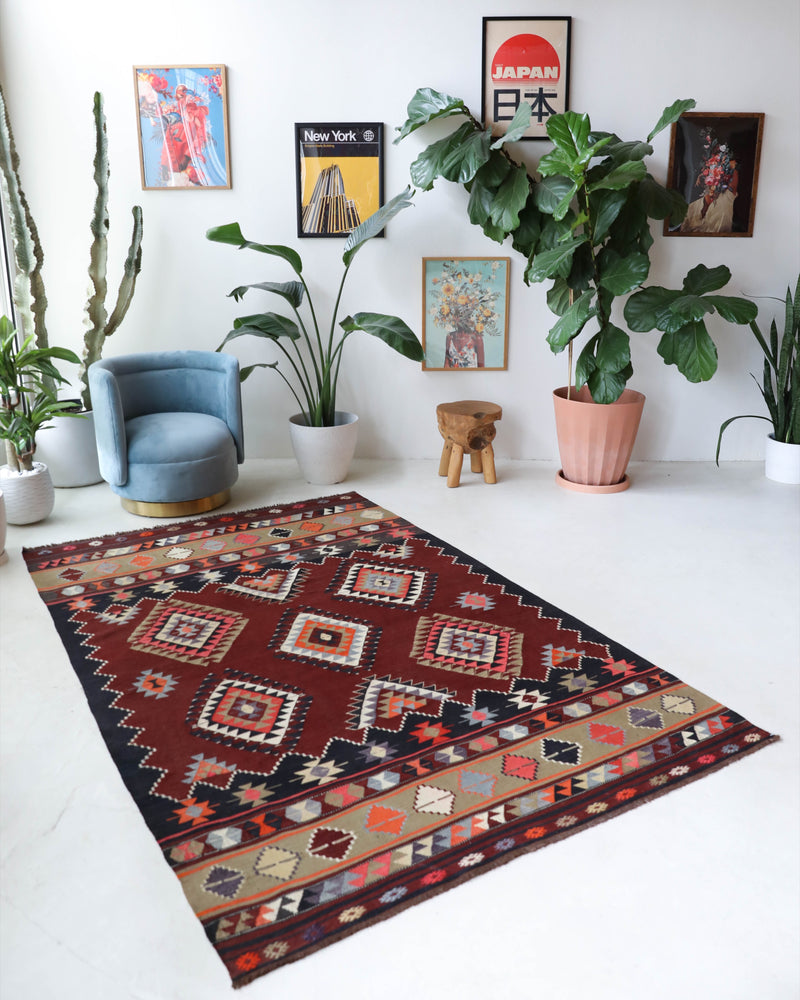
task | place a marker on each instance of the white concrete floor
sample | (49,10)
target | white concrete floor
(693,895)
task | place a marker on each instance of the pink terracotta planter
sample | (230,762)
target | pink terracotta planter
(595,441)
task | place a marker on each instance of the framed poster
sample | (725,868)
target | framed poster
(183,127)
(525,59)
(339,176)
(713,163)
(465,313)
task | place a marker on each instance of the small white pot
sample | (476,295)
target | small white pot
(29,496)
(324,454)
(68,449)
(3,522)
(782,461)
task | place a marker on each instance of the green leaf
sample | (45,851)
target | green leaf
(571,323)
(517,127)
(622,152)
(525,236)
(585,364)
(247,370)
(444,158)
(511,197)
(621,275)
(702,279)
(292,291)
(649,308)
(426,106)
(692,350)
(606,387)
(569,132)
(549,193)
(613,352)
(232,234)
(660,202)
(691,307)
(620,177)
(670,115)
(605,206)
(555,163)
(390,329)
(374,224)
(558,297)
(553,263)
(732,309)
(266,325)
(464,159)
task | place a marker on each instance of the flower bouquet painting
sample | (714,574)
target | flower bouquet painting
(465,313)
(183,128)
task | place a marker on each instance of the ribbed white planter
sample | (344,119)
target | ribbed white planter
(324,454)
(68,449)
(782,461)
(29,496)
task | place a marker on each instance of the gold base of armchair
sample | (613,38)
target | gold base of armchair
(182,508)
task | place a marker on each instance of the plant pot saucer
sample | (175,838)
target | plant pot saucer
(567,484)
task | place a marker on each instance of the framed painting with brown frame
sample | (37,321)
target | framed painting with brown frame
(339,176)
(525,59)
(465,313)
(713,163)
(183,127)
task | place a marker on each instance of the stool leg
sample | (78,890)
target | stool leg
(454,469)
(487,457)
(475,461)
(444,461)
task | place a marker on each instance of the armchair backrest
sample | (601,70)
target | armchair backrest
(171,382)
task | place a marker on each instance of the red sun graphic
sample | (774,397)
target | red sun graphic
(524,58)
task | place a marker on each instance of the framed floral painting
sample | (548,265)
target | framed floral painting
(465,313)
(713,163)
(183,127)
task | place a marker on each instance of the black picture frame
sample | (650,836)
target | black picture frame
(339,176)
(539,50)
(713,162)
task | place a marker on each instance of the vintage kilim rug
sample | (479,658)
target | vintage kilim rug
(325,714)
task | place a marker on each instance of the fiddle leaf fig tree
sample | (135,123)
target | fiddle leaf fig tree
(582,220)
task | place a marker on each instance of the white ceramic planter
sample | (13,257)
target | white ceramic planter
(69,451)
(782,461)
(3,556)
(324,454)
(29,496)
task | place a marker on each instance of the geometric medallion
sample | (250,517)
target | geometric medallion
(339,643)
(190,633)
(401,586)
(249,712)
(467,646)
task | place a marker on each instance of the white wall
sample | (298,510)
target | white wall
(359,60)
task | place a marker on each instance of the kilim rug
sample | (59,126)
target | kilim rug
(326,714)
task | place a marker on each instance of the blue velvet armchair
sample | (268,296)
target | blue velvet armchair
(168,426)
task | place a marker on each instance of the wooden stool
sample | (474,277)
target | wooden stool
(467,426)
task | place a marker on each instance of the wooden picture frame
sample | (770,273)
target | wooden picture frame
(713,162)
(182,120)
(465,313)
(339,176)
(525,59)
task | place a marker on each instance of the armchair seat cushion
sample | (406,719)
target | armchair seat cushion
(174,457)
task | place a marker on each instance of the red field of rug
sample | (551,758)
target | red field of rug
(325,714)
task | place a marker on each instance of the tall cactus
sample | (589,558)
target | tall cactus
(99,325)
(30,301)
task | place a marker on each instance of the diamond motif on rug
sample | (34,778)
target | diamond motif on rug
(340,643)
(399,586)
(240,709)
(190,633)
(466,646)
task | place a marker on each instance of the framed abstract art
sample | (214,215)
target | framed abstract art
(183,127)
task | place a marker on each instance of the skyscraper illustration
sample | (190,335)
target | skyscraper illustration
(329,210)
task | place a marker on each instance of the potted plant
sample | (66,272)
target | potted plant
(584,224)
(69,445)
(314,353)
(27,405)
(780,387)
